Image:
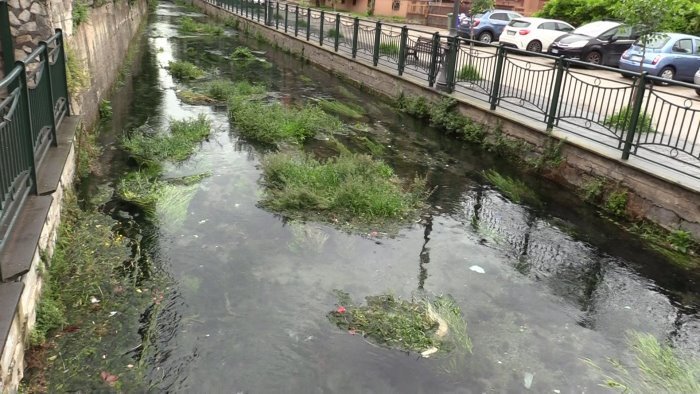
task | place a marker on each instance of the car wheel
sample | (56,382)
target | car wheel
(486,37)
(626,76)
(667,73)
(534,46)
(594,57)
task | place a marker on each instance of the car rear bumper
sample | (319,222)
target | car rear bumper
(510,41)
(629,65)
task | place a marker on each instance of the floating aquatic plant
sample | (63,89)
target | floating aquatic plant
(184,70)
(417,325)
(352,188)
(515,189)
(342,109)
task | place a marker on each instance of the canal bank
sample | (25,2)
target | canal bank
(660,197)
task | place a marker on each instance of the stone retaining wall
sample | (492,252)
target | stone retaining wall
(100,45)
(658,200)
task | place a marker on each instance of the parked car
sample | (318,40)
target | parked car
(696,81)
(667,55)
(534,34)
(489,25)
(601,42)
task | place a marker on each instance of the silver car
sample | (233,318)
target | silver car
(696,81)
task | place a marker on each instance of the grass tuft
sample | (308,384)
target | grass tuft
(468,73)
(149,147)
(389,49)
(184,70)
(189,25)
(342,109)
(658,369)
(242,53)
(515,189)
(351,188)
(621,121)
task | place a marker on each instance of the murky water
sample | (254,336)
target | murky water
(248,313)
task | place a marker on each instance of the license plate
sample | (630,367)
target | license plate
(555,51)
(635,58)
(511,33)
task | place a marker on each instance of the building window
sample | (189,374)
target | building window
(395,5)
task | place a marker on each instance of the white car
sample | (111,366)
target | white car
(534,34)
(697,81)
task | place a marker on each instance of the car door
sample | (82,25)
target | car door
(498,21)
(547,32)
(685,59)
(621,39)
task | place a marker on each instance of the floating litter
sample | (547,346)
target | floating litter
(477,269)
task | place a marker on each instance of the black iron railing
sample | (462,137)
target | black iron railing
(632,114)
(33,103)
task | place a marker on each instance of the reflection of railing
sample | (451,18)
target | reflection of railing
(33,102)
(649,123)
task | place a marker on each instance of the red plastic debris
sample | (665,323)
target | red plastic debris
(341,309)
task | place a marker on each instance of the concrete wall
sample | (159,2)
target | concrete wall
(670,205)
(101,44)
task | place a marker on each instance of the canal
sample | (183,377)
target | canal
(543,285)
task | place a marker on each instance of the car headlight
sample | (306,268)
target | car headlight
(578,44)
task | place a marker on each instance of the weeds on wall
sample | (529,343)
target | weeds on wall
(616,203)
(515,189)
(105,110)
(77,75)
(80,12)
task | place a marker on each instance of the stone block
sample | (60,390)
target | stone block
(29,27)
(25,3)
(37,9)
(25,16)
(14,21)
(13,4)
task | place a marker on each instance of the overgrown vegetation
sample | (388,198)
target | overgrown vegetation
(593,190)
(150,147)
(468,73)
(616,203)
(342,109)
(515,189)
(242,53)
(550,157)
(273,123)
(184,70)
(419,326)
(621,121)
(94,296)
(658,369)
(105,110)
(80,12)
(77,75)
(354,189)
(189,25)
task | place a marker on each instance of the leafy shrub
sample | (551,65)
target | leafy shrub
(416,106)
(681,240)
(389,49)
(80,13)
(332,33)
(621,121)
(616,203)
(242,53)
(468,73)
(105,110)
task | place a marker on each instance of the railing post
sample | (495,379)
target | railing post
(496,88)
(286,16)
(434,53)
(377,40)
(277,16)
(47,69)
(308,24)
(554,101)
(450,62)
(320,32)
(266,16)
(28,142)
(64,72)
(296,20)
(402,49)
(634,116)
(337,31)
(355,32)
(8,51)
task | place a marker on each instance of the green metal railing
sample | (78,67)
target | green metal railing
(33,103)
(658,126)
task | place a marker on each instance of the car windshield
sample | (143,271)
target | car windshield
(654,41)
(518,23)
(594,29)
